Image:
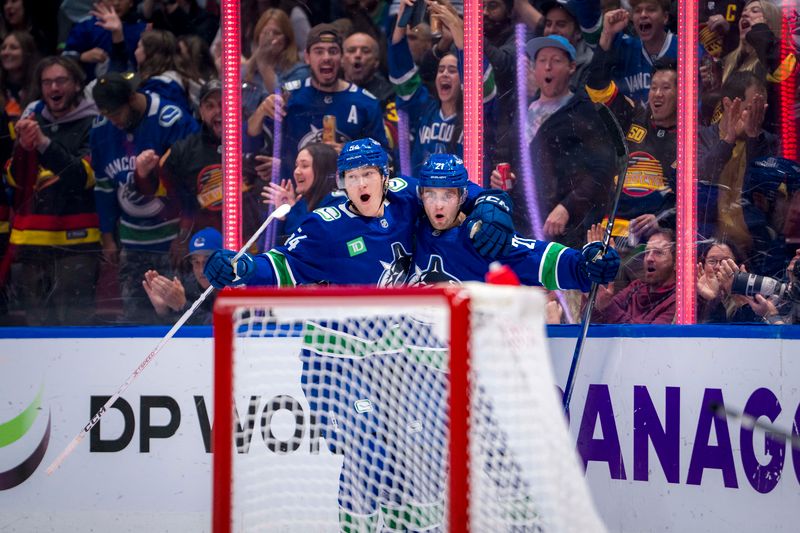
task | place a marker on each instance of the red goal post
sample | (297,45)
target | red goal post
(507,456)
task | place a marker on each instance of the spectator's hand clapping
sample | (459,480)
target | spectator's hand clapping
(164,293)
(731,125)
(276,195)
(29,134)
(725,272)
(753,116)
(596,232)
(707,284)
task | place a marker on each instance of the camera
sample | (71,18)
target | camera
(752,284)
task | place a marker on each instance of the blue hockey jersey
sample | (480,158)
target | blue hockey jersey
(358,114)
(86,35)
(449,257)
(335,246)
(432,132)
(632,65)
(145,222)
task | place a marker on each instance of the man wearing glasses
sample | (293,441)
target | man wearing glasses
(55,236)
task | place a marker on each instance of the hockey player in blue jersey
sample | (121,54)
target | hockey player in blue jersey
(444,252)
(366,239)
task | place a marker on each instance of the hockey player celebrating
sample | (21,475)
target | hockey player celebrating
(444,252)
(352,386)
(367,238)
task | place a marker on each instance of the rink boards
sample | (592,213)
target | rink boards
(656,458)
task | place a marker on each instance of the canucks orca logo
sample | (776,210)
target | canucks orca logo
(314,135)
(433,273)
(394,273)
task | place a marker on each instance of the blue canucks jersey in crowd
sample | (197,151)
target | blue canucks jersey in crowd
(432,132)
(633,65)
(145,222)
(358,114)
(449,257)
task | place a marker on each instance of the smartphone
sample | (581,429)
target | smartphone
(412,17)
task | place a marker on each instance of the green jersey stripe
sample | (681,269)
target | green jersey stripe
(548,269)
(282,269)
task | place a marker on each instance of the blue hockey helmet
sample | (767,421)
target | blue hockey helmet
(443,171)
(766,174)
(365,152)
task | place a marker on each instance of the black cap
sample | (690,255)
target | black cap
(323,33)
(113,90)
(567,5)
(211,86)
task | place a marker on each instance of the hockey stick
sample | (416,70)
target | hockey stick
(280,211)
(621,147)
(750,422)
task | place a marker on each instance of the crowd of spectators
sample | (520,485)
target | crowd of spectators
(111,121)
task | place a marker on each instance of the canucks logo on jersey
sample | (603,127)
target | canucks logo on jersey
(395,272)
(433,273)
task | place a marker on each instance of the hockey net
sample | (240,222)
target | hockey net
(390,410)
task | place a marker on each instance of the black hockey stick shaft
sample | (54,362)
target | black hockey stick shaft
(621,148)
(750,422)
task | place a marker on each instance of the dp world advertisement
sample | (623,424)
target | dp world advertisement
(657,457)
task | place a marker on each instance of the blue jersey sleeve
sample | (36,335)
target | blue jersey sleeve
(412,95)
(549,264)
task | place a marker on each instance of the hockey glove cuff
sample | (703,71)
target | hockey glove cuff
(490,226)
(600,269)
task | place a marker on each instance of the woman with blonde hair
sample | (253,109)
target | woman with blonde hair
(759,51)
(275,59)
(759,44)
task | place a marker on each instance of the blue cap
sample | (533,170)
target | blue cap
(443,171)
(551,41)
(207,240)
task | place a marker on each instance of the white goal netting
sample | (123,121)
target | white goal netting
(344,418)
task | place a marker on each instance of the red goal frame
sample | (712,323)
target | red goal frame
(456,299)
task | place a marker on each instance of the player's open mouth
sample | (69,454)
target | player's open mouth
(439,216)
(365,197)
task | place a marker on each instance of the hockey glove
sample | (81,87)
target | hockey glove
(490,226)
(219,269)
(600,269)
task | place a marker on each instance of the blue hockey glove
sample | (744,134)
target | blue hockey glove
(600,269)
(490,226)
(219,270)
